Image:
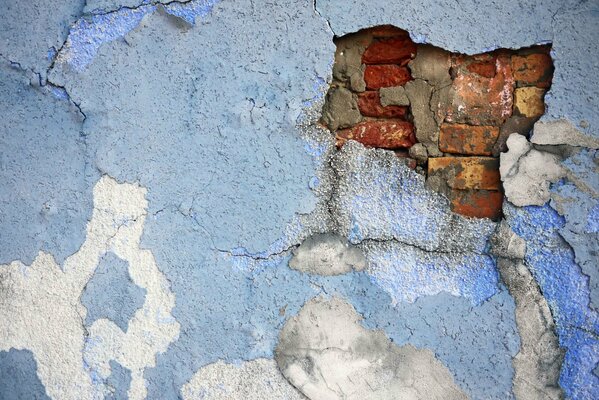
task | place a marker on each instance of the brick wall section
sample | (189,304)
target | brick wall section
(448,115)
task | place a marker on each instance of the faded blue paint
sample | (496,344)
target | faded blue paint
(18,376)
(551,261)
(191,10)
(119,382)
(407,273)
(111,294)
(30,29)
(232,308)
(45,190)
(89,33)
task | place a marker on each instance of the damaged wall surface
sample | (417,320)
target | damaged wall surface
(175,221)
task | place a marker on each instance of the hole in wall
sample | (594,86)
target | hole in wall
(448,115)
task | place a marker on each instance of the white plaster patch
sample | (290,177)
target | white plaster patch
(257,380)
(526,172)
(562,132)
(42,303)
(327,354)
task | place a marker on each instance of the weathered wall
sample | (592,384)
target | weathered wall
(164,185)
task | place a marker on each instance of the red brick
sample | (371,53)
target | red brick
(468,139)
(369,104)
(482,101)
(477,203)
(533,70)
(483,68)
(387,31)
(397,50)
(386,134)
(467,172)
(379,76)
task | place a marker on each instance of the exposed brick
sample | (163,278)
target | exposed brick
(468,139)
(467,172)
(386,134)
(387,31)
(477,100)
(528,102)
(533,70)
(483,68)
(369,104)
(477,203)
(397,50)
(379,76)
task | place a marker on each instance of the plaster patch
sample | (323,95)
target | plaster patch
(561,132)
(257,380)
(327,254)
(45,311)
(526,172)
(327,354)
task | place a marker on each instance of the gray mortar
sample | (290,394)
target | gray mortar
(431,64)
(420,92)
(327,254)
(348,65)
(340,109)
(537,365)
(394,96)
(326,353)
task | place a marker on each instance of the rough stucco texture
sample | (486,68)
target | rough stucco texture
(174,222)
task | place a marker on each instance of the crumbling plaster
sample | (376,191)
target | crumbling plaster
(206,111)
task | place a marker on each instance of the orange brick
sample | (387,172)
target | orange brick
(397,50)
(386,31)
(379,76)
(477,203)
(467,172)
(533,69)
(468,139)
(477,100)
(369,104)
(386,134)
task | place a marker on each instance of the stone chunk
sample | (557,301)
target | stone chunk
(477,203)
(379,76)
(467,172)
(386,134)
(431,64)
(394,96)
(340,109)
(533,69)
(477,100)
(370,105)
(397,50)
(528,101)
(468,139)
